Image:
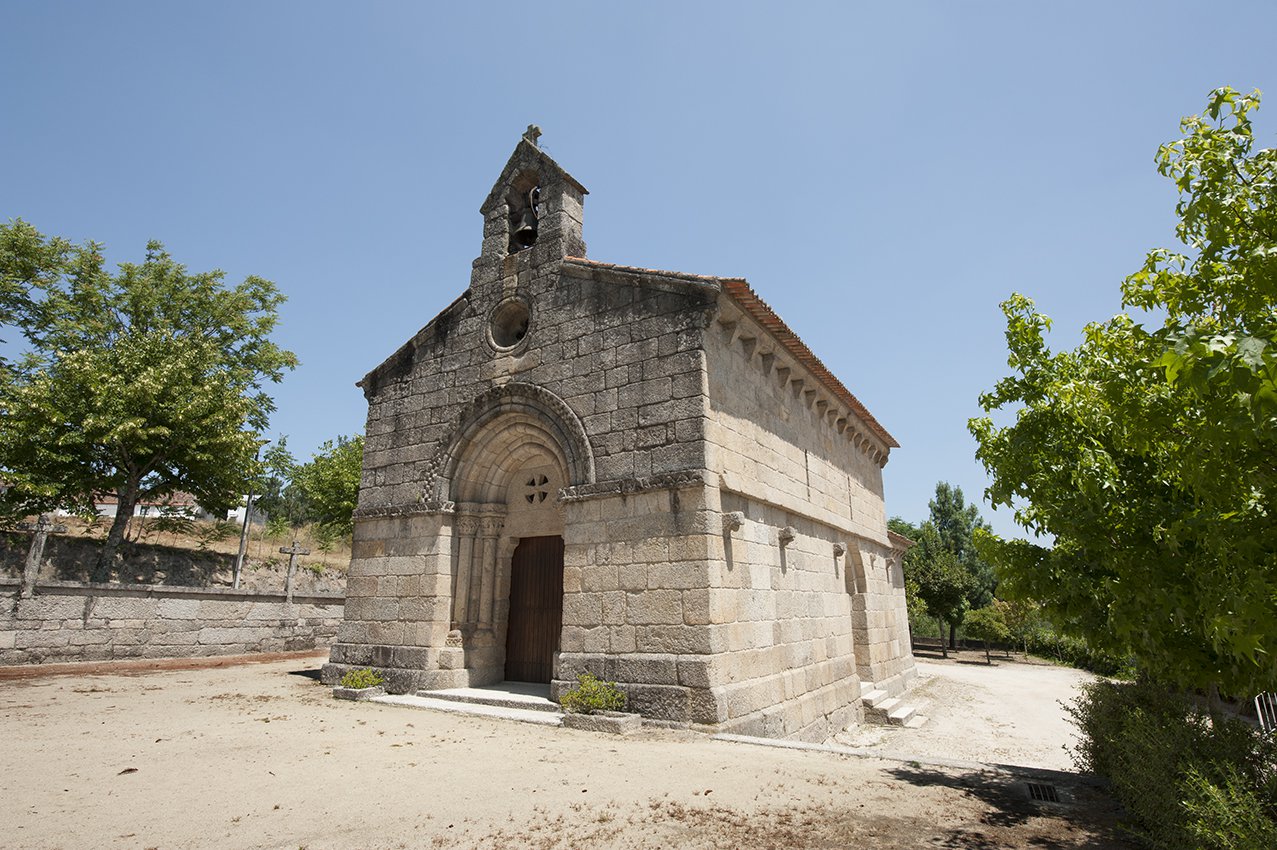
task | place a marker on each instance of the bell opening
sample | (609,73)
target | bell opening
(524,215)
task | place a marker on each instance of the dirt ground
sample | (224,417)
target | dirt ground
(260,756)
(1009,713)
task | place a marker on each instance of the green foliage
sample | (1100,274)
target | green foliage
(1044,641)
(917,609)
(173,522)
(1187,779)
(1147,454)
(209,533)
(361,678)
(1226,813)
(139,383)
(277,527)
(330,483)
(939,582)
(956,524)
(327,537)
(280,500)
(592,694)
(944,573)
(1023,617)
(987,624)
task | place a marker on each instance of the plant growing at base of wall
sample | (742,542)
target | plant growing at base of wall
(592,694)
(361,678)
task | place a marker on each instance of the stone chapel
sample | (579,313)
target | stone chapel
(580,466)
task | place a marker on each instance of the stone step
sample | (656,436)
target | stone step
(885,706)
(895,711)
(874,697)
(522,698)
(915,721)
(901,714)
(503,712)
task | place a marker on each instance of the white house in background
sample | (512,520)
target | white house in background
(107,506)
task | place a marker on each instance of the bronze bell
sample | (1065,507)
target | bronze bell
(525,232)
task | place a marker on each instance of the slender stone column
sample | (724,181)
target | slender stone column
(489,529)
(462,576)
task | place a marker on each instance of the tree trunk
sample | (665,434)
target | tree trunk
(944,647)
(953,636)
(126,500)
(988,659)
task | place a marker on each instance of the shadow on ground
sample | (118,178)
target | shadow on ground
(1088,816)
(308,673)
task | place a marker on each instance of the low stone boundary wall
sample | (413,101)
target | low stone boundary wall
(80,621)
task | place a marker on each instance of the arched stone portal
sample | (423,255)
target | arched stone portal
(514,450)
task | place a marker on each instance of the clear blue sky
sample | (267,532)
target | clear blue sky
(883,174)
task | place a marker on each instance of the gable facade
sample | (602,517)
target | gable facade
(583,467)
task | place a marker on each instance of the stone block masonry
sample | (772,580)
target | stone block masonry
(645,475)
(80,621)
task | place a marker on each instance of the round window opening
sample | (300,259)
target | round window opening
(509,324)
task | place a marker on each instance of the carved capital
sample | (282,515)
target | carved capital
(733,520)
(467,524)
(786,535)
(840,549)
(490,526)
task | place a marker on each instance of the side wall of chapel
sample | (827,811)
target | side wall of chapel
(788,454)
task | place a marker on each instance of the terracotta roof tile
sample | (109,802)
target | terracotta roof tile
(899,540)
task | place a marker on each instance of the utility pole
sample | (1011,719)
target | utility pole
(243,536)
(243,532)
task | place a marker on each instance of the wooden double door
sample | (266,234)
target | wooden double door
(536,609)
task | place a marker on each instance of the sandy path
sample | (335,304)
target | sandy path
(1009,713)
(252,756)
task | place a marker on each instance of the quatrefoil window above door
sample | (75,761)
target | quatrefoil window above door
(537,488)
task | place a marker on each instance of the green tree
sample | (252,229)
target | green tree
(915,607)
(957,523)
(330,483)
(987,624)
(1148,454)
(280,500)
(941,583)
(139,383)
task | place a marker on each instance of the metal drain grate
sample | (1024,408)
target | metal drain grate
(1043,793)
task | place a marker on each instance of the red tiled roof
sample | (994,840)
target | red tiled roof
(176,500)
(899,540)
(740,292)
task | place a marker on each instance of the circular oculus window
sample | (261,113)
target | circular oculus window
(509,324)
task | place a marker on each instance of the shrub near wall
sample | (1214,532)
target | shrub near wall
(1189,781)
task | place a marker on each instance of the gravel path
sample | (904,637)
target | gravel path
(1008,713)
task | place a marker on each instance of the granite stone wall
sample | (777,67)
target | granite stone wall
(788,454)
(719,495)
(80,621)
